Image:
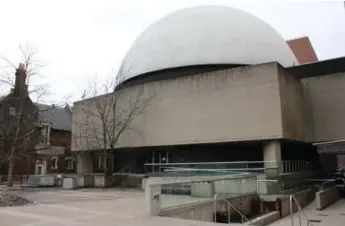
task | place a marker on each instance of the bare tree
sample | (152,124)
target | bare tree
(18,112)
(109,111)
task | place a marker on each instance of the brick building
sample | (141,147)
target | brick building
(53,147)
(40,134)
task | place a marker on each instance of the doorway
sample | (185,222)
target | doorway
(40,167)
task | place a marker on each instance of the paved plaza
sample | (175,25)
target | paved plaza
(86,207)
(333,215)
(103,207)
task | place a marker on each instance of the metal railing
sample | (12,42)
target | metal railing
(229,205)
(179,192)
(329,182)
(17,179)
(296,166)
(222,168)
(238,184)
(300,212)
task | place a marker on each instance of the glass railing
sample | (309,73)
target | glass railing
(225,168)
(177,193)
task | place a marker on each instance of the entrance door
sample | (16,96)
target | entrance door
(40,168)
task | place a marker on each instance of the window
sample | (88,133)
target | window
(45,133)
(69,163)
(12,111)
(54,162)
(102,162)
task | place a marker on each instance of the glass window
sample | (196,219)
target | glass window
(55,162)
(45,133)
(69,163)
(12,111)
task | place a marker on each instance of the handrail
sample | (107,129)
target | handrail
(327,182)
(229,209)
(300,210)
(209,163)
(286,167)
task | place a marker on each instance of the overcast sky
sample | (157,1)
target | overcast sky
(75,38)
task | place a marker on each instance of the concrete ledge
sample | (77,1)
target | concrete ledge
(99,180)
(303,197)
(326,197)
(69,183)
(202,190)
(265,219)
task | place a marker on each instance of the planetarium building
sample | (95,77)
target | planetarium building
(223,86)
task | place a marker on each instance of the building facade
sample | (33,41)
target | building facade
(234,94)
(40,134)
(52,150)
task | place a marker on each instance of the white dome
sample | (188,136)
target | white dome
(205,35)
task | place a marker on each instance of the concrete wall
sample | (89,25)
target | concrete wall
(292,104)
(326,197)
(203,211)
(210,107)
(303,197)
(325,97)
(235,186)
(199,212)
(84,163)
(265,219)
(245,103)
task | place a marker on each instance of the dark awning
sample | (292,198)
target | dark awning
(336,147)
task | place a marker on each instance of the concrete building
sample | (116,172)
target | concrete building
(226,87)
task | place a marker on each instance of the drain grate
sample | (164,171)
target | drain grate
(315,221)
(322,215)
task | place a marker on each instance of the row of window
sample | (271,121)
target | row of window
(69,163)
(102,162)
(45,133)
(45,130)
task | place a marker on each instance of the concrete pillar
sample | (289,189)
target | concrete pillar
(84,162)
(153,198)
(272,157)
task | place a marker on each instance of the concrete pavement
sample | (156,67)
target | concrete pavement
(333,215)
(85,208)
(105,207)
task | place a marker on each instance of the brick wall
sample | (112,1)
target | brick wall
(303,50)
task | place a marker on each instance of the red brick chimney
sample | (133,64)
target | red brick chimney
(20,86)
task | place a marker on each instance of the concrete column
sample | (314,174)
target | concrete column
(84,162)
(272,157)
(153,198)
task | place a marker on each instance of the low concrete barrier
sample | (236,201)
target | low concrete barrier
(83,181)
(204,210)
(41,181)
(326,197)
(129,180)
(203,190)
(303,197)
(144,182)
(69,183)
(265,219)
(99,180)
